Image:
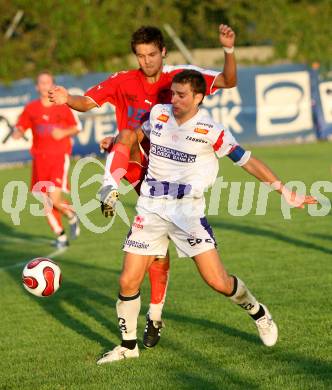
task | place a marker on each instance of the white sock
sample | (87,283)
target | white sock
(155,310)
(108,178)
(242,296)
(128,309)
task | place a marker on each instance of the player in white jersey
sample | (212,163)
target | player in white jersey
(183,162)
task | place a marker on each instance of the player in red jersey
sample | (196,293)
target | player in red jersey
(133,93)
(52,127)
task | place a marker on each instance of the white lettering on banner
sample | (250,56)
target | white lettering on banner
(104,126)
(325,91)
(226,116)
(12,114)
(102,119)
(283,103)
(212,100)
(221,112)
(85,134)
(230,95)
(226,96)
(15,100)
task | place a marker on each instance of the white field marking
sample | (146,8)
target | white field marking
(35,241)
(51,255)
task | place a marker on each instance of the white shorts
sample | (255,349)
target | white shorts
(155,226)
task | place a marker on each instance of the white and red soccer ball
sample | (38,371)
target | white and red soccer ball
(41,277)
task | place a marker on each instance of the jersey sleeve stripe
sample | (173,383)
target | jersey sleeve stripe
(214,89)
(219,141)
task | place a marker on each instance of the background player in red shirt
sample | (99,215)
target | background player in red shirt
(133,93)
(52,127)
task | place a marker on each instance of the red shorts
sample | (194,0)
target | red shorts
(48,171)
(136,170)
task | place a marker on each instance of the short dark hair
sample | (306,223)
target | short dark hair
(192,77)
(147,34)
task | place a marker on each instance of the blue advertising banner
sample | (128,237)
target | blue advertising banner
(269,104)
(321,105)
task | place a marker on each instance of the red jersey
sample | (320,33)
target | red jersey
(42,120)
(133,96)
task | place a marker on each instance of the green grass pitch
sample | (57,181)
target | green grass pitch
(208,343)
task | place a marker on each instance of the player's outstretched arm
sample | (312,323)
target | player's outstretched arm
(228,77)
(263,173)
(60,95)
(59,134)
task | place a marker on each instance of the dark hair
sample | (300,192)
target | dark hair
(147,34)
(192,77)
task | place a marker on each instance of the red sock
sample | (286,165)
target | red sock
(116,164)
(158,274)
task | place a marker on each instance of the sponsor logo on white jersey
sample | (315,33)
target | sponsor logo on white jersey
(201,131)
(172,154)
(163,118)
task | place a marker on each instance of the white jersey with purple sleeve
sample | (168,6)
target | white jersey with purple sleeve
(183,159)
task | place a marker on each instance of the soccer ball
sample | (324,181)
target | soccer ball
(41,277)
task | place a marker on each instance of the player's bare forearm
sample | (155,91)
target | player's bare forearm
(60,95)
(228,78)
(71,131)
(59,134)
(80,103)
(262,172)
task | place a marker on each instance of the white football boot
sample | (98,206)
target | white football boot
(118,353)
(267,328)
(108,196)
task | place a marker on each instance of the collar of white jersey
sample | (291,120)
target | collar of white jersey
(193,119)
